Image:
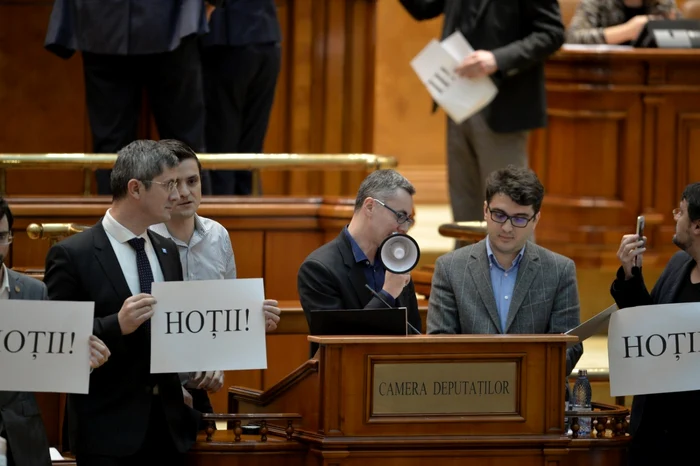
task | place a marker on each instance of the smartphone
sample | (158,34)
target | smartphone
(640,227)
(640,233)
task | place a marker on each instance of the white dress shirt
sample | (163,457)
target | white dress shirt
(118,236)
(209,254)
(5,290)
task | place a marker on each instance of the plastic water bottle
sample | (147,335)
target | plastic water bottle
(582,402)
(3,452)
(567,406)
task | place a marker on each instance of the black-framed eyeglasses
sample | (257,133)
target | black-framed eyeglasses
(401,217)
(168,185)
(499,216)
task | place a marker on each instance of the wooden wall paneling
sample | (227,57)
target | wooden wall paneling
(246,249)
(284,354)
(41,97)
(284,253)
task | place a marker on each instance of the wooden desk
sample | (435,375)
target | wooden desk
(622,140)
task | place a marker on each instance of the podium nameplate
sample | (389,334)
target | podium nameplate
(437,388)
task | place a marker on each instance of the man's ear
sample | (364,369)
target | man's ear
(368,204)
(135,188)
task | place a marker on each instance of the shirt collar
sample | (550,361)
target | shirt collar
(492,258)
(202,226)
(118,231)
(358,253)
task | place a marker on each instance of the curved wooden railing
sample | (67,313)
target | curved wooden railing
(255,162)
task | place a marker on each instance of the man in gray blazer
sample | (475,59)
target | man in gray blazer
(506,284)
(20,419)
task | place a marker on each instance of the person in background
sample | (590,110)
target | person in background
(615,21)
(206,254)
(130,47)
(511,41)
(241,60)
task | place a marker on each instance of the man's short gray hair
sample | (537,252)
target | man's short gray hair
(382,185)
(141,160)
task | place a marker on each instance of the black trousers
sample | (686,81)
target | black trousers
(239,88)
(114,85)
(157,449)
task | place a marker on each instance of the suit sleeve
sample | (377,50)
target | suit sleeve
(424,9)
(63,284)
(319,289)
(566,311)
(632,292)
(584,27)
(546,37)
(442,305)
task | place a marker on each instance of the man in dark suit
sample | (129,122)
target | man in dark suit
(334,276)
(20,419)
(511,39)
(128,47)
(241,62)
(663,424)
(130,416)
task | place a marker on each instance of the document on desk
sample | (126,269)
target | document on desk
(592,325)
(459,97)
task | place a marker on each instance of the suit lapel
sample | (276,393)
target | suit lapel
(356,275)
(108,261)
(164,260)
(16,288)
(527,271)
(478,266)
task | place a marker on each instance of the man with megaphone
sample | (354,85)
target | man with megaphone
(367,265)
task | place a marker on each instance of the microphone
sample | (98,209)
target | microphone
(379,296)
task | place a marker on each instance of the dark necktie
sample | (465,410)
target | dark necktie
(142,264)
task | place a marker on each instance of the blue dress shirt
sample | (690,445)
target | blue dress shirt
(374,273)
(503,282)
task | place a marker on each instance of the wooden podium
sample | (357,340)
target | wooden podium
(456,399)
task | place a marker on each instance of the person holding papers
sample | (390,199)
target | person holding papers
(615,21)
(336,275)
(505,284)
(20,420)
(511,41)
(129,416)
(205,252)
(663,425)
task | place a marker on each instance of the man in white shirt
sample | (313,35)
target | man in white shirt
(205,252)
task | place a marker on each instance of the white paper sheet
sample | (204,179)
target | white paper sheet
(459,97)
(654,349)
(44,345)
(205,325)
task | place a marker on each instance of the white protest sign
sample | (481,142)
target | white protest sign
(654,349)
(205,325)
(44,345)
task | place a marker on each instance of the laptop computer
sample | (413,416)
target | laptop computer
(383,321)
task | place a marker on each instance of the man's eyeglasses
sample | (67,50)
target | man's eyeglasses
(168,185)
(401,217)
(517,221)
(5,237)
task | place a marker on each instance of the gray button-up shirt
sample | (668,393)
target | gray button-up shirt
(209,254)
